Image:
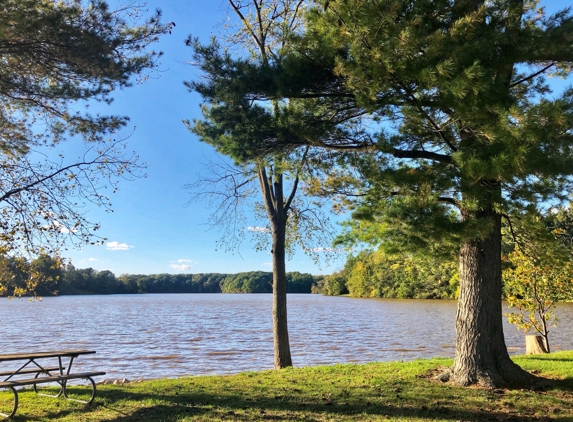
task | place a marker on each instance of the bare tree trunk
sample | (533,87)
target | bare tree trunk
(277,212)
(545,332)
(481,353)
(280,326)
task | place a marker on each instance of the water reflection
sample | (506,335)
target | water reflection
(151,336)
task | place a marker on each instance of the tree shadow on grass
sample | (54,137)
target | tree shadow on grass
(565,384)
(361,402)
(542,383)
(22,416)
(171,408)
(547,358)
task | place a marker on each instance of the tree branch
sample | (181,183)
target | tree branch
(248,26)
(532,76)
(41,180)
(267,194)
(296,180)
(425,155)
(448,200)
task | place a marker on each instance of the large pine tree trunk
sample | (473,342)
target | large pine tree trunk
(481,353)
(280,327)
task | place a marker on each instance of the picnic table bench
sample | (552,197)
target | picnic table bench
(55,373)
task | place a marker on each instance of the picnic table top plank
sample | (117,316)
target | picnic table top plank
(39,355)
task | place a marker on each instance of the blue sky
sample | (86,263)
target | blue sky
(151,230)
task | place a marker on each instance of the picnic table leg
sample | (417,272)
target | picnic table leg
(62,386)
(82,401)
(70,363)
(9,415)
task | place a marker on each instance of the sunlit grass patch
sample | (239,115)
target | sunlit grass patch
(393,391)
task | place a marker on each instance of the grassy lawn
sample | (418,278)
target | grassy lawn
(371,392)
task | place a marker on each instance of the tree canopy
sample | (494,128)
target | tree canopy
(56,54)
(444,111)
(57,59)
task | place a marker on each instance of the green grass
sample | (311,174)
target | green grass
(371,392)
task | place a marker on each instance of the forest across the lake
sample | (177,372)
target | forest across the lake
(368,274)
(52,279)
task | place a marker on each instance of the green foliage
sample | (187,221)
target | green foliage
(444,121)
(20,277)
(56,54)
(300,282)
(447,103)
(254,282)
(331,285)
(90,281)
(560,223)
(377,274)
(533,282)
(539,273)
(262,282)
(380,275)
(237,126)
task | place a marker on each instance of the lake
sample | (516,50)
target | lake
(172,335)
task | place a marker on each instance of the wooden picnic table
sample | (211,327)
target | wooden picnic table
(58,371)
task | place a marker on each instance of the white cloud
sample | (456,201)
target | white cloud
(93,259)
(116,246)
(336,250)
(259,229)
(182,267)
(267,264)
(182,264)
(61,228)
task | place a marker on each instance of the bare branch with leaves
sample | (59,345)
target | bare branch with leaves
(43,203)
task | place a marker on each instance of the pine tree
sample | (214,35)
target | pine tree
(444,107)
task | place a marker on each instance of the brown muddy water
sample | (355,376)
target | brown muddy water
(172,335)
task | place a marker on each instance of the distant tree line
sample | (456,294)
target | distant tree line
(370,273)
(262,282)
(53,279)
(545,242)
(377,274)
